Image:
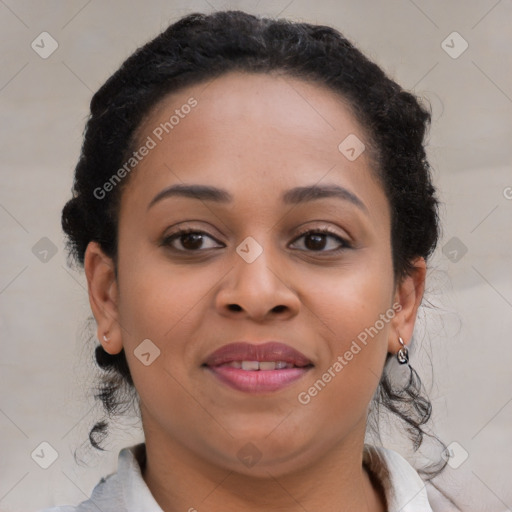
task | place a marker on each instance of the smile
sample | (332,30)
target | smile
(260,365)
(257,368)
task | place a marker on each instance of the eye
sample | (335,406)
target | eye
(189,239)
(193,240)
(319,240)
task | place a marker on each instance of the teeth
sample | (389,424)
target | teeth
(250,365)
(263,365)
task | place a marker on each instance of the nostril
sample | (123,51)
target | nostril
(275,309)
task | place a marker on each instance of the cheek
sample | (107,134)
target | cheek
(157,299)
(166,306)
(354,312)
(351,299)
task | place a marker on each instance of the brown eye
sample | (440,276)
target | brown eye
(322,240)
(189,240)
(315,241)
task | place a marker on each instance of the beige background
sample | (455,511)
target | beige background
(45,375)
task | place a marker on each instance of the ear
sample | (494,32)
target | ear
(103,294)
(407,300)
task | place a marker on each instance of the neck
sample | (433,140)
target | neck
(181,480)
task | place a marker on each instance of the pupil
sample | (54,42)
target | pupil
(318,241)
(192,240)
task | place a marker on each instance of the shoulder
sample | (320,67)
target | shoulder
(65,508)
(105,496)
(124,490)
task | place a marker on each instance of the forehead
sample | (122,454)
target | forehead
(245,128)
(274,102)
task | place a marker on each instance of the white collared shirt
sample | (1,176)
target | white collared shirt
(126,490)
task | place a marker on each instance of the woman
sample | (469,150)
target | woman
(254,211)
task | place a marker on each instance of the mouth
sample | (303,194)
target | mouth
(258,368)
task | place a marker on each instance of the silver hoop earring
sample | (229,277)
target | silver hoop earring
(403,354)
(105,339)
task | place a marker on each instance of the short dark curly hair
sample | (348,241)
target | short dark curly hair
(200,47)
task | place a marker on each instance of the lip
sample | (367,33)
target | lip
(257,381)
(269,351)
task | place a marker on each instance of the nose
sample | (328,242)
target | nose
(257,290)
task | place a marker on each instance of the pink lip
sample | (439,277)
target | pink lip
(257,381)
(270,351)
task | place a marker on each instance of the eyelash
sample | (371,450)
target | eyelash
(167,241)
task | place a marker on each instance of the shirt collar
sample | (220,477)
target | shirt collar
(405,491)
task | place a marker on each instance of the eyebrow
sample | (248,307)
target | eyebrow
(295,195)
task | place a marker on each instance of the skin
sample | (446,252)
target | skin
(255,136)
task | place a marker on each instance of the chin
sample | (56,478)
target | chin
(265,455)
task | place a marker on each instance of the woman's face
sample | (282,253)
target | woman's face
(257,270)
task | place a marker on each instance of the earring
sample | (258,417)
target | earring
(403,354)
(105,339)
